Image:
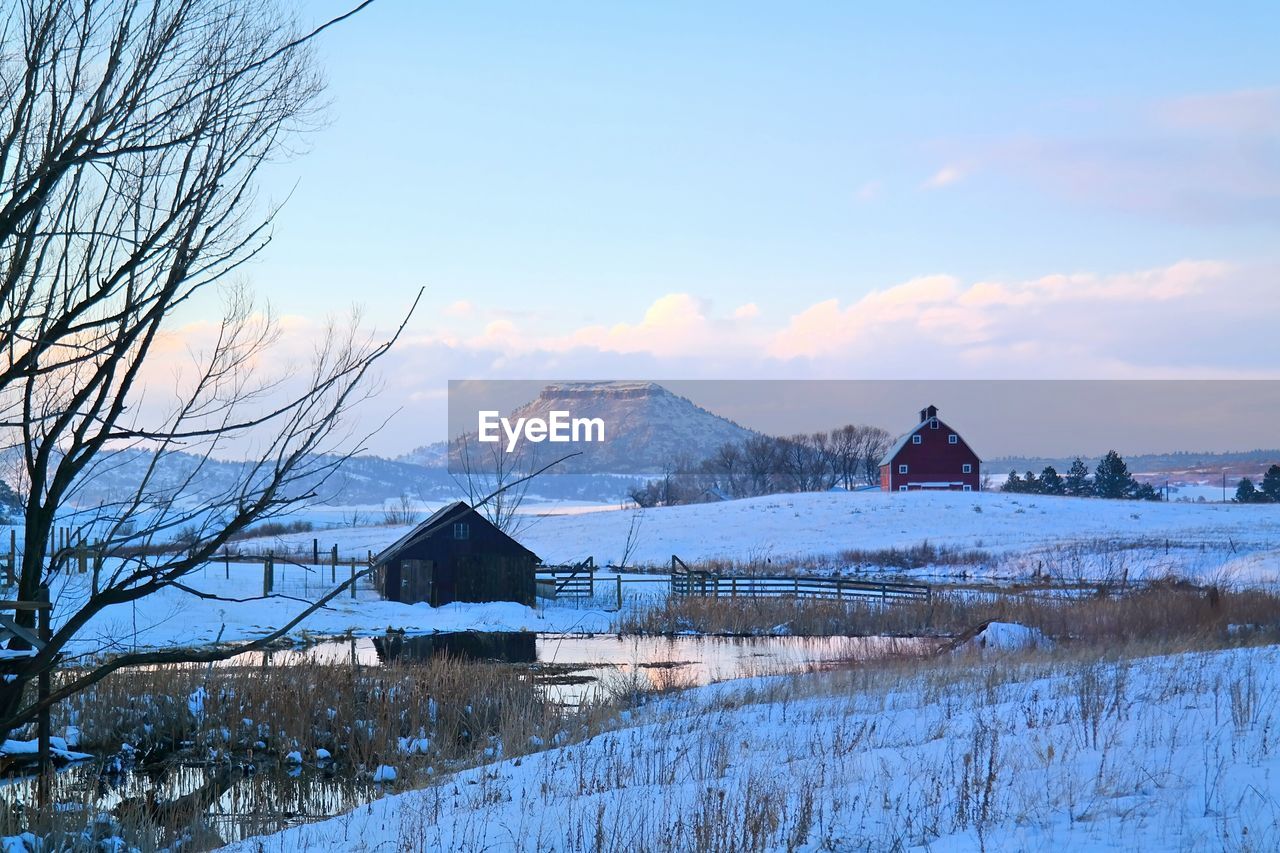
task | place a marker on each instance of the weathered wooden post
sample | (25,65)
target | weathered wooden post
(353,577)
(333,565)
(267,571)
(315,552)
(619,590)
(43,732)
(13,556)
(226,563)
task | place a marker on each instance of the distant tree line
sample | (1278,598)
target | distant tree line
(847,457)
(1111,479)
(1267,493)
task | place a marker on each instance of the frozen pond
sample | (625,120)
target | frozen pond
(577,667)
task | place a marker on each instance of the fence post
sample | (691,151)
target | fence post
(353,577)
(315,552)
(43,732)
(266,575)
(333,565)
(619,590)
(226,562)
(13,555)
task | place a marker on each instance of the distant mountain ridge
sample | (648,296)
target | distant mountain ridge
(647,427)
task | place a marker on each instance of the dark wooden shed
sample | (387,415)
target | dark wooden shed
(456,555)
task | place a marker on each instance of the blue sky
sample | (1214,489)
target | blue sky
(819,189)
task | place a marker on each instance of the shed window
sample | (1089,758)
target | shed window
(966,468)
(916,439)
(902,469)
(953,439)
(968,488)
(902,488)
(461,530)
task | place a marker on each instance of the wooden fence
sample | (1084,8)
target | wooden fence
(838,589)
(575,580)
(578,581)
(35,641)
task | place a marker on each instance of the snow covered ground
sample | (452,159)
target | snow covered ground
(1076,538)
(1035,753)
(173,617)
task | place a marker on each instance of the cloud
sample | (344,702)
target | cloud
(460,308)
(1189,319)
(869,191)
(944,177)
(939,320)
(1208,158)
(1246,112)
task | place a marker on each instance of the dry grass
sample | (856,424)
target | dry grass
(1162,611)
(425,719)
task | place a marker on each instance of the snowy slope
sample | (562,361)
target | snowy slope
(1166,753)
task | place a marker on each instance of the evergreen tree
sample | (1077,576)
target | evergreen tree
(1146,492)
(1111,479)
(1013,483)
(1030,484)
(1051,482)
(1077,482)
(9,500)
(1271,484)
(1246,493)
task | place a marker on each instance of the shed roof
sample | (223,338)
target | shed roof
(435,522)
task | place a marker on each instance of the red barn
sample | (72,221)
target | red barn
(931,456)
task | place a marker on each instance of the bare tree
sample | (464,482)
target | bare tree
(400,511)
(132,133)
(493,480)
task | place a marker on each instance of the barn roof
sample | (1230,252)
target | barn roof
(906,436)
(435,522)
(901,443)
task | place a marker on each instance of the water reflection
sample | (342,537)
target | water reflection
(574,668)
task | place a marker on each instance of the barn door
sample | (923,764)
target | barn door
(416,580)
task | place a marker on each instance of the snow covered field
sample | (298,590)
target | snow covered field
(1068,539)
(1023,533)
(1027,753)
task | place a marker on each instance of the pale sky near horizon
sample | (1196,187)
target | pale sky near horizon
(818,190)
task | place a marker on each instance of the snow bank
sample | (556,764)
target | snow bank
(1008,636)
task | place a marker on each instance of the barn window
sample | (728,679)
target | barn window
(953,439)
(902,469)
(461,530)
(933,423)
(968,488)
(966,468)
(916,439)
(902,488)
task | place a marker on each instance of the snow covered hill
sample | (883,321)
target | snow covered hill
(1164,753)
(1069,538)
